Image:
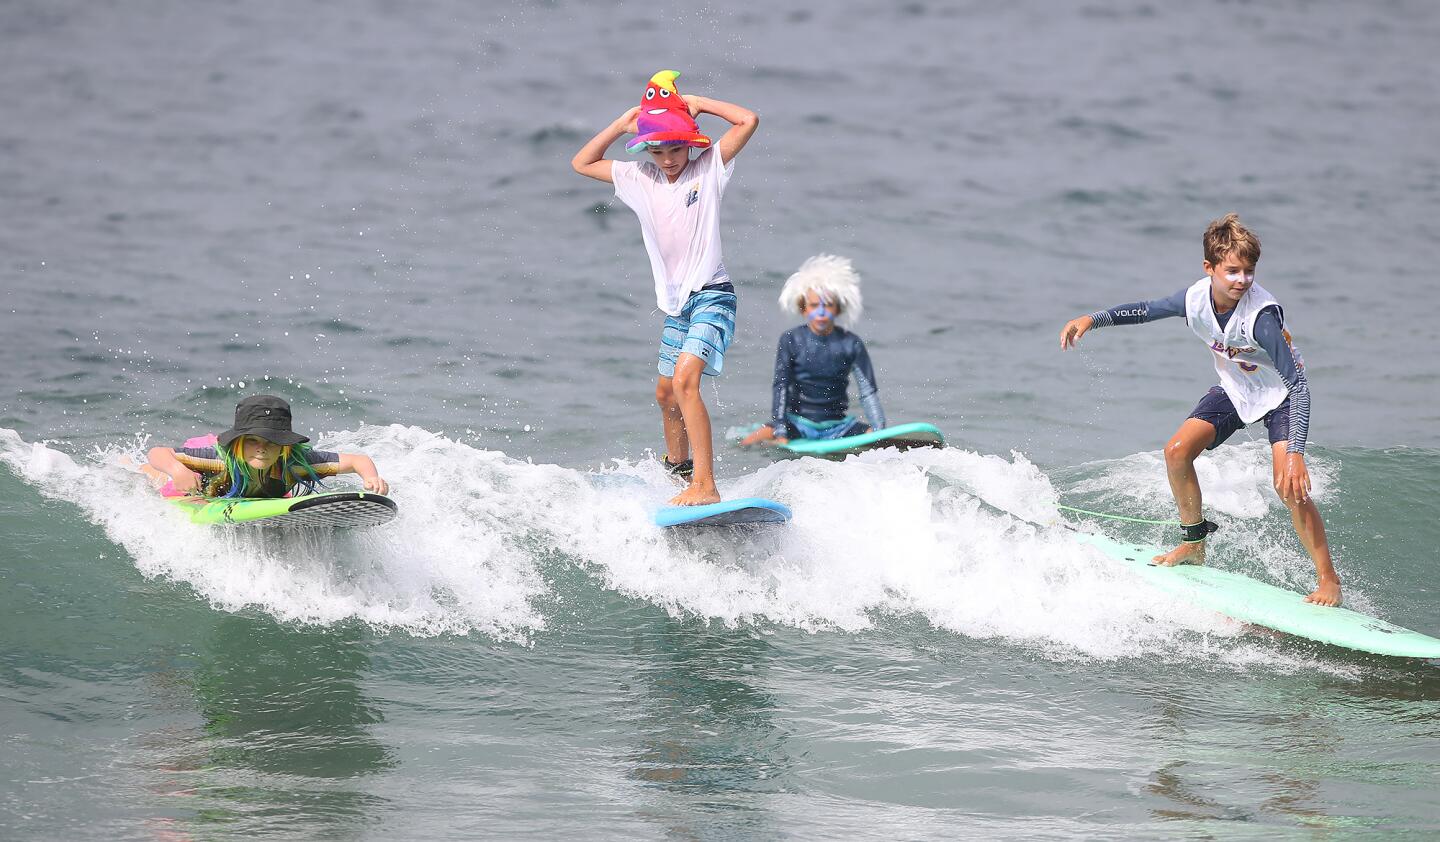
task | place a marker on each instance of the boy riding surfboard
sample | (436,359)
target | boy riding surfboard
(1262,378)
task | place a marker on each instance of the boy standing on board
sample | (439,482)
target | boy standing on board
(678,202)
(1262,378)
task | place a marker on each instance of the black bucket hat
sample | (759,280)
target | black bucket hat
(265,416)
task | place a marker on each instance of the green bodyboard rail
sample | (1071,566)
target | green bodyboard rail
(1250,601)
(351,509)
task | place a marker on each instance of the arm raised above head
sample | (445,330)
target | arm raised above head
(590,160)
(743,123)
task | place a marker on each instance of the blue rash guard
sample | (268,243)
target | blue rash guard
(1269,334)
(812,374)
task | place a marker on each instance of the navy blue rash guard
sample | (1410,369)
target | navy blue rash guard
(812,374)
(1269,334)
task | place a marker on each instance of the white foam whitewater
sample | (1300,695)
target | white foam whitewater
(947,534)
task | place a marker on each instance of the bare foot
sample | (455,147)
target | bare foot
(1326,593)
(1183,554)
(156,478)
(696,495)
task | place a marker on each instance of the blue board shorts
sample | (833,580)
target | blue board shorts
(1217,409)
(825,430)
(705,326)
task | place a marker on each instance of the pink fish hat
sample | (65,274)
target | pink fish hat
(664,117)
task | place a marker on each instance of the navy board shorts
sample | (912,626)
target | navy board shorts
(1217,409)
(704,328)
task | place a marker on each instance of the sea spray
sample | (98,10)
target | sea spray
(487,544)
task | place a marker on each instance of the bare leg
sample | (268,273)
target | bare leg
(1183,448)
(677,443)
(685,386)
(1311,529)
(157,478)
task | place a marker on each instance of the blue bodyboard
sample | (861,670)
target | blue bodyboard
(746,511)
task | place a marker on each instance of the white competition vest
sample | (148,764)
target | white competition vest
(1247,374)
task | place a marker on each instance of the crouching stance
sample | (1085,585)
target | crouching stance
(1262,378)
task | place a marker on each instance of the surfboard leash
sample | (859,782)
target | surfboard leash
(1119,517)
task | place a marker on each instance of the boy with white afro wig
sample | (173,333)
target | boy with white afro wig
(831,276)
(814,361)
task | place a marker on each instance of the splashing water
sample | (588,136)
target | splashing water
(970,543)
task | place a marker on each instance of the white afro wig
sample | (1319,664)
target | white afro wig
(832,277)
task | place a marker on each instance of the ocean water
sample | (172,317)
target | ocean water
(368,209)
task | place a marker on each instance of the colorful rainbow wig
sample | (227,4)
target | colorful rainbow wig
(240,480)
(830,276)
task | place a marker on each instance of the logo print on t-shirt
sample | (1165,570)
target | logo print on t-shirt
(693,196)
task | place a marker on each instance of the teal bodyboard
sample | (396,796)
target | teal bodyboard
(744,511)
(350,509)
(1250,601)
(902,436)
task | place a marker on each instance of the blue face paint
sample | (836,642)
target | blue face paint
(819,311)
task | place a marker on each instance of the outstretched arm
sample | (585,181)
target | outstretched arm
(163,459)
(743,122)
(364,466)
(1137,313)
(591,160)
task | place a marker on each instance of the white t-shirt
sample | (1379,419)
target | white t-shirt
(680,222)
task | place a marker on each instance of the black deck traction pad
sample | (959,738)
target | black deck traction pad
(350,510)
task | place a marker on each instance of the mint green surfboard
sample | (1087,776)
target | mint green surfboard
(1249,601)
(902,436)
(351,509)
